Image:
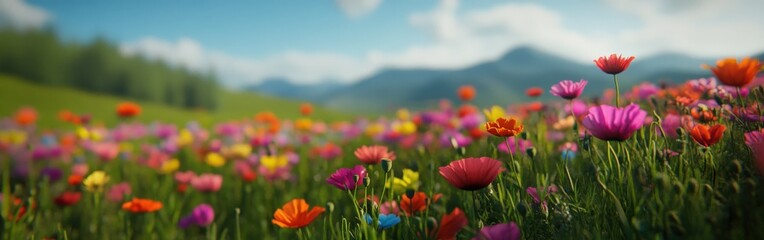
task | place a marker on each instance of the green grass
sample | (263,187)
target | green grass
(49,100)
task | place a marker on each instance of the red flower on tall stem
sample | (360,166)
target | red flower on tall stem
(613,64)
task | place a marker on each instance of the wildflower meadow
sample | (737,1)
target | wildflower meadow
(652,161)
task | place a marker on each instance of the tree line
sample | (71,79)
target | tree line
(40,56)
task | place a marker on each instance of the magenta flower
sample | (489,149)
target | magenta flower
(568,89)
(503,231)
(755,141)
(203,215)
(670,124)
(207,182)
(514,144)
(343,178)
(610,123)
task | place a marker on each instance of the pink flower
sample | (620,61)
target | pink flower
(390,207)
(568,89)
(755,141)
(610,123)
(613,64)
(373,154)
(118,192)
(184,177)
(106,151)
(207,182)
(514,144)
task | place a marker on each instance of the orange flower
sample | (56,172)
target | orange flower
(466,109)
(534,92)
(706,136)
(26,116)
(729,72)
(128,109)
(295,214)
(466,93)
(416,203)
(139,205)
(703,114)
(503,127)
(306,109)
(74,180)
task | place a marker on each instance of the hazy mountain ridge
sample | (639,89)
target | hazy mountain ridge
(501,81)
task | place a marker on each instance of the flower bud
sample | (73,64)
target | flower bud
(366,181)
(680,132)
(531,151)
(692,186)
(387,165)
(524,135)
(330,206)
(707,188)
(735,186)
(410,193)
(737,168)
(356,177)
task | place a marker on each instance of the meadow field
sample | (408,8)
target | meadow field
(652,161)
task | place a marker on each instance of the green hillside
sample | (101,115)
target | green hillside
(49,100)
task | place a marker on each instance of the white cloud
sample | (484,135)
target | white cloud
(710,28)
(357,8)
(18,13)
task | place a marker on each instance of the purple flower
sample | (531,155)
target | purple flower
(610,123)
(53,174)
(508,231)
(568,89)
(472,121)
(579,108)
(448,139)
(343,178)
(702,84)
(646,90)
(514,143)
(203,215)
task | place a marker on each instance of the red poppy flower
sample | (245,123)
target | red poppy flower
(67,199)
(417,203)
(26,116)
(504,127)
(466,109)
(471,173)
(451,224)
(128,109)
(466,93)
(613,64)
(306,109)
(74,180)
(707,136)
(731,73)
(373,154)
(534,92)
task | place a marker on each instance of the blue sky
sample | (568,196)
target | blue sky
(345,40)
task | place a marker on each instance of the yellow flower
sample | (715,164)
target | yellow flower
(13,136)
(240,150)
(565,123)
(272,163)
(185,138)
(410,180)
(214,159)
(169,166)
(374,129)
(403,114)
(96,181)
(303,124)
(405,128)
(494,113)
(83,133)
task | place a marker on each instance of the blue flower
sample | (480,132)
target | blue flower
(568,155)
(385,220)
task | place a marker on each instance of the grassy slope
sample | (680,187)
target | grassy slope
(49,100)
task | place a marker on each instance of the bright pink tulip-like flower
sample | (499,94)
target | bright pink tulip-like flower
(207,182)
(203,215)
(118,192)
(373,154)
(344,178)
(613,64)
(610,123)
(755,141)
(568,89)
(471,173)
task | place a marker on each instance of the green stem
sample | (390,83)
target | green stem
(617,91)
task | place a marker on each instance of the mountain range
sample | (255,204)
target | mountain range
(501,81)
